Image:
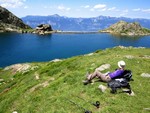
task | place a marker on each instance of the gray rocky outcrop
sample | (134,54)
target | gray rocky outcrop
(125,28)
(147,75)
(10,22)
(43,29)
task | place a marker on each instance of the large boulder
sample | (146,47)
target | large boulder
(43,29)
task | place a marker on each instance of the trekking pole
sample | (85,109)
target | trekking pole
(85,110)
(96,104)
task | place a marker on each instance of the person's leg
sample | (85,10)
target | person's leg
(95,74)
(100,75)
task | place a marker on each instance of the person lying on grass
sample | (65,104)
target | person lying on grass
(106,77)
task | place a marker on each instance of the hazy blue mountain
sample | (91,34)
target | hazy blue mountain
(80,24)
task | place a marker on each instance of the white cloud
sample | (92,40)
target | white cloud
(104,9)
(112,9)
(99,6)
(26,7)
(86,6)
(146,10)
(92,9)
(142,10)
(138,9)
(126,11)
(62,8)
(12,3)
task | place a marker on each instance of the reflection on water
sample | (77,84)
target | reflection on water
(130,38)
(18,48)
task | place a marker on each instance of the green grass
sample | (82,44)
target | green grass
(65,82)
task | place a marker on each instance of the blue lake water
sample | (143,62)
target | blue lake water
(20,48)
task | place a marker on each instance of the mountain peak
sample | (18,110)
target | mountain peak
(125,28)
(10,22)
(55,15)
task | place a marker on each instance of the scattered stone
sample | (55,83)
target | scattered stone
(148,109)
(129,56)
(44,84)
(37,76)
(122,47)
(90,54)
(1,80)
(102,88)
(18,68)
(56,60)
(147,75)
(14,112)
(145,56)
(131,94)
(34,67)
(103,67)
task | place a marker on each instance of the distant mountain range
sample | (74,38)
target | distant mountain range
(80,24)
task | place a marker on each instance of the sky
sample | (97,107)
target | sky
(79,8)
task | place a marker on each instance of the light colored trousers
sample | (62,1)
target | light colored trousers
(101,76)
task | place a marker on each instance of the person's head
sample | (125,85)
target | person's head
(121,64)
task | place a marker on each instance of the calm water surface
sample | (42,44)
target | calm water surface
(20,48)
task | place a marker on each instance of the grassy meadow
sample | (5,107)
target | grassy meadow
(47,87)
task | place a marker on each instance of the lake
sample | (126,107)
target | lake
(22,48)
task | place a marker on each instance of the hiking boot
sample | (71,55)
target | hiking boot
(86,82)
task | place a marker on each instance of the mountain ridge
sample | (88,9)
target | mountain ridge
(10,22)
(65,23)
(125,28)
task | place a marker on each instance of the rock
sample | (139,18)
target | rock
(14,112)
(18,68)
(90,54)
(43,29)
(102,88)
(147,75)
(37,76)
(56,60)
(103,67)
(1,80)
(129,56)
(125,28)
(131,94)
(9,22)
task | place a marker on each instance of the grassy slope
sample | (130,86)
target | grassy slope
(25,94)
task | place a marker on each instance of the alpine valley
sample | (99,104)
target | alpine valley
(80,24)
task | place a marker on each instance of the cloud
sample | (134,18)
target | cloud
(141,10)
(126,11)
(138,9)
(99,6)
(146,10)
(12,3)
(62,8)
(86,6)
(112,9)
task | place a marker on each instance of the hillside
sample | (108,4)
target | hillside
(80,24)
(9,22)
(125,28)
(47,87)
